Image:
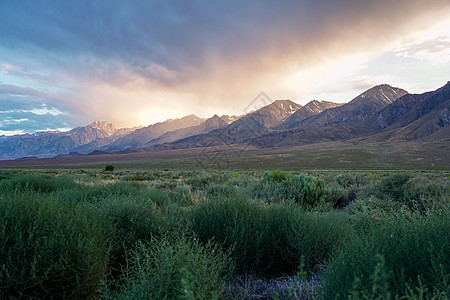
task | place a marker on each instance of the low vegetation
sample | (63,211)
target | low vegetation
(191,234)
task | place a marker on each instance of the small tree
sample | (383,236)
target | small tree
(109,168)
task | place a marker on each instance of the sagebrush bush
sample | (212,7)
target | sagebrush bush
(418,195)
(410,249)
(380,288)
(174,267)
(40,184)
(220,190)
(135,219)
(268,239)
(50,249)
(306,190)
(4,175)
(278,175)
(200,181)
(109,168)
(346,180)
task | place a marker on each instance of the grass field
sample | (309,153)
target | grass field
(213,234)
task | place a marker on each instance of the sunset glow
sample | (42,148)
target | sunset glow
(67,64)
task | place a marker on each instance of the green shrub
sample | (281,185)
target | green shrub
(346,180)
(175,268)
(220,190)
(381,289)
(4,175)
(138,218)
(268,239)
(134,220)
(200,181)
(278,175)
(304,189)
(182,195)
(109,168)
(418,195)
(50,250)
(99,192)
(391,187)
(410,249)
(138,178)
(40,184)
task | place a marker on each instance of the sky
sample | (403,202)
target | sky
(68,63)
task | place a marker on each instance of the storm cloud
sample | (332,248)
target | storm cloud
(208,55)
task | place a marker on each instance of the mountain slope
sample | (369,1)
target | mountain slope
(101,142)
(414,116)
(411,117)
(210,124)
(139,137)
(48,144)
(247,127)
(312,108)
(358,109)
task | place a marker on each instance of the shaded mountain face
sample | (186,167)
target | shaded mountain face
(414,116)
(209,125)
(48,144)
(312,108)
(139,137)
(101,142)
(411,117)
(359,109)
(247,127)
(267,126)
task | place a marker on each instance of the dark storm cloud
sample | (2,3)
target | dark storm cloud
(137,61)
(173,41)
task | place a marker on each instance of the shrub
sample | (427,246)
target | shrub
(138,217)
(418,195)
(40,184)
(268,239)
(99,192)
(50,250)
(410,249)
(278,175)
(137,178)
(200,181)
(304,189)
(380,288)
(134,220)
(391,187)
(109,168)
(173,268)
(220,190)
(4,175)
(346,180)
(182,195)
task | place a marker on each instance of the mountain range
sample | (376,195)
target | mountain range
(380,114)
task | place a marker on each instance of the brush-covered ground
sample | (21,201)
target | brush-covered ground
(209,234)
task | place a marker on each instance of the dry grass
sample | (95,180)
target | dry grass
(346,155)
(249,287)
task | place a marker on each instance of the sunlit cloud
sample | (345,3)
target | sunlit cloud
(140,62)
(11,132)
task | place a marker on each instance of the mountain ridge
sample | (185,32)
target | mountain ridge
(381,113)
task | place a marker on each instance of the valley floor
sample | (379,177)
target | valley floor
(348,155)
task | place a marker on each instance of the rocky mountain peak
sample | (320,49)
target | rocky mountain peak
(379,95)
(287,106)
(105,127)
